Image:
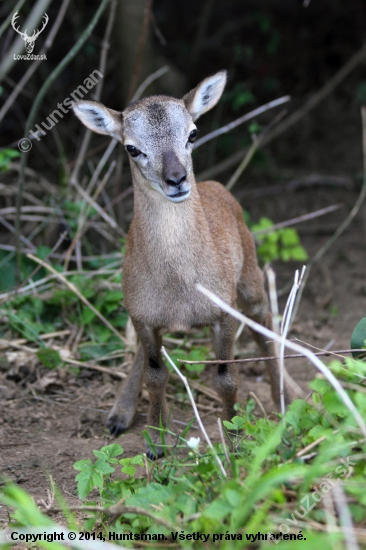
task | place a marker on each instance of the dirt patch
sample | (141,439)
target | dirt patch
(43,434)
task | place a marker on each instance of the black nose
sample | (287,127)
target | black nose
(174,172)
(176,178)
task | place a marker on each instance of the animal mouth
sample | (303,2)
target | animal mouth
(180,196)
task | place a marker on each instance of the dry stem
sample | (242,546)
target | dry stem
(196,413)
(272,335)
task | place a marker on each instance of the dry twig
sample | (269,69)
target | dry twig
(272,335)
(76,291)
(343,226)
(291,120)
(336,352)
(241,120)
(196,413)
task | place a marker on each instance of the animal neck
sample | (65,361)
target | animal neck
(165,228)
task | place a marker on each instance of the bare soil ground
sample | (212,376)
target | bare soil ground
(44,434)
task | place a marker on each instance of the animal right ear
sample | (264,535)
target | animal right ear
(99,118)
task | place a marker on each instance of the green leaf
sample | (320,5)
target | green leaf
(299,254)
(87,315)
(115,296)
(49,357)
(218,509)
(129,470)
(109,452)
(42,252)
(358,338)
(91,475)
(237,423)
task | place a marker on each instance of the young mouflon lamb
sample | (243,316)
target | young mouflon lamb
(182,233)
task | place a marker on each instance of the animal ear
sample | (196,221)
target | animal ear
(205,95)
(99,118)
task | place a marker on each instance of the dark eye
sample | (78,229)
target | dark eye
(134,152)
(192,136)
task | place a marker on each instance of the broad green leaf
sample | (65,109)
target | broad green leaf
(49,357)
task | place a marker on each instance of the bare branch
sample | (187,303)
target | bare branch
(151,78)
(300,349)
(346,222)
(197,415)
(242,119)
(290,121)
(299,219)
(335,353)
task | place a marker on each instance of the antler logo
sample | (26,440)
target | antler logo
(29,40)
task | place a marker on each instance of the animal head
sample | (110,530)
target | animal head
(158,133)
(29,40)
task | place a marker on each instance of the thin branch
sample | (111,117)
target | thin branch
(7,20)
(5,344)
(241,120)
(290,121)
(310,446)
(345,517)
(151,78)
(31,275)
(273,300)
(346,222)
(197,415)
(298,219)
(28,74)
(221,432)
(115,511)
(251,151)
(78,294)
(99,368)
(336,352)
(105,47)
(32,115)
(35,16)
(300,349)
(42,283)
(256,398)
(102,66)
(84,215)
(12,229)
(285,325)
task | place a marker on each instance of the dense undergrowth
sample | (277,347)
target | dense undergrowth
(292,476)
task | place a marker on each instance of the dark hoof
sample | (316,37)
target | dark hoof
(116,426)
(152,456)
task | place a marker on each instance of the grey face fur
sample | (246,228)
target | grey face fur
(157,134)
(159,127)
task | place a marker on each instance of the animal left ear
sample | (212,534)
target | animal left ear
(205,95)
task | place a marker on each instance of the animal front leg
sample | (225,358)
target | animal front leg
(156,377)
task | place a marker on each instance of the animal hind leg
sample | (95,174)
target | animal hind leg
(226,377)
(254,302)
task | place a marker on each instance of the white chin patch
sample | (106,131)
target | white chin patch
(178,197)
